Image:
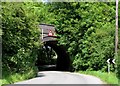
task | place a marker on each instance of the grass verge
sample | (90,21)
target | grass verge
(15,77)
(105,77)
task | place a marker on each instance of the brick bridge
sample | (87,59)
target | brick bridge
(48,37)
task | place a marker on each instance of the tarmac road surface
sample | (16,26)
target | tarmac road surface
(58,77)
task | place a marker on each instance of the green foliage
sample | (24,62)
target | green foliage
(20,39)
(118,60)
(15,77)
(45,56)
(111,78)
(87,31)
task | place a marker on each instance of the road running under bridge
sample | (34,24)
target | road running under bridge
(57,77)
(49,38)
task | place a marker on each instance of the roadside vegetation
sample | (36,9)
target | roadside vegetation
(107,78)
(15,77)
(87,30)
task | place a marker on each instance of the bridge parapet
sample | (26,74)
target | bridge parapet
(48,33)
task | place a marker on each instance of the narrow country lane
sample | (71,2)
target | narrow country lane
(57,77)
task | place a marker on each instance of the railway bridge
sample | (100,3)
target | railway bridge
(49,39)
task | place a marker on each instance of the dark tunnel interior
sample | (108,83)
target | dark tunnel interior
(63,60)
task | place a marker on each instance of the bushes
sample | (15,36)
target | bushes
(87,31)
(20,39)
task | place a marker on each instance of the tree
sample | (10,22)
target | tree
(20,39)
(87,31)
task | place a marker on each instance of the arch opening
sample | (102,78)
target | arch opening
(60,58)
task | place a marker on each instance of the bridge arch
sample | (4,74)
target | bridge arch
(63,59)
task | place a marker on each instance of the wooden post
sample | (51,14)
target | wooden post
(116,37)
(116,31)
(109,68)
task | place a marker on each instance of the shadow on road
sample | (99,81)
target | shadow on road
(62,61)
(47,68)
(40,75)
